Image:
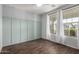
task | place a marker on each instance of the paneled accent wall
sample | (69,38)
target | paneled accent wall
(0,27)
(17,30)
(7,36)
(24,31)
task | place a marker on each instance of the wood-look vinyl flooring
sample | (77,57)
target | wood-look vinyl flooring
(39,46)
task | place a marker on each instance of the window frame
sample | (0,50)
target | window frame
(71,22)
(55,13)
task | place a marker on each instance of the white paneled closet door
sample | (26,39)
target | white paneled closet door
(30,30)
(24,31)
(6,31)
(38,29)
(16,31)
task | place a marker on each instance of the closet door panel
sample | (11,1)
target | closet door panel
(6,31)
(16,31)
(30,30)
(38,30)
(24,32)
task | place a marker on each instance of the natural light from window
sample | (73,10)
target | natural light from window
(71,20)
(53,22)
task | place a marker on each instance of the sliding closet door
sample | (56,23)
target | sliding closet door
(38,29)
(15,31)
(6,31)
(24,31)
(30,30)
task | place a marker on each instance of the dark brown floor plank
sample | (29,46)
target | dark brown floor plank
(39,46)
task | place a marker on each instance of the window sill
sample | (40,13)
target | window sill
(71,37)
(65,36)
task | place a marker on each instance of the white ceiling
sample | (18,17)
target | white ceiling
(34,8)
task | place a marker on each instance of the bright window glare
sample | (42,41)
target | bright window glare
(38,5)
(70,20)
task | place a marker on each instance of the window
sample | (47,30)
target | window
(71,20)
(53,22)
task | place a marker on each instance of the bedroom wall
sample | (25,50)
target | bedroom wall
(19,26)
(0,27)
(37,26)
(43,21)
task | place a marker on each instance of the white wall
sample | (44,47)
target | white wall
(19,26)
(0,27)
(71,41)
(44,25)
(13,12)
(37,27)
(60,27)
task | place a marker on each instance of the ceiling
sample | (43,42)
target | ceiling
(34,8)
